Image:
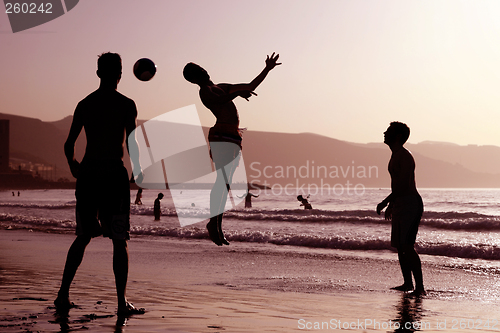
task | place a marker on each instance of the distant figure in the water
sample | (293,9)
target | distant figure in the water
(108,118)
(405,207)
(18,193)
(157,208)
(248,198)
(13,194)
(138,197)
(304,202)
(225,136)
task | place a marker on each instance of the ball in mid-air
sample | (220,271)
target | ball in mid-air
(144,69)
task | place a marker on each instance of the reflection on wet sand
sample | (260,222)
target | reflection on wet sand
(409,314)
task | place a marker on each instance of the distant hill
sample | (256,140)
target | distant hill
(294,159)
(41,142)
(482,159)
(278,149)
(63,124)
(473,157)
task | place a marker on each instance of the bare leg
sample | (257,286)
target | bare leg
(120,269)
(222,238)
(405,264)
(73,261)
(213,232)
(226,159)
(218,198)
(227,173)
(416,268)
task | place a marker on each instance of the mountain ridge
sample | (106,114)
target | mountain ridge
(269,156)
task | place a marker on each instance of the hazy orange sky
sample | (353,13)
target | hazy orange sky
(349,67)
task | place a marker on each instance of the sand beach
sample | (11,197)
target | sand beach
(191,285)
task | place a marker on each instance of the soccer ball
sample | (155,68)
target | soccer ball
(144,69)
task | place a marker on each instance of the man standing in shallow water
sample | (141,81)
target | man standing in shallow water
(405,207)
(224,137)
(102,183)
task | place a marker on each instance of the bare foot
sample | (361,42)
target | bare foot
(418,292)
(129,309)
(403,287)
(222,238)
(63,303)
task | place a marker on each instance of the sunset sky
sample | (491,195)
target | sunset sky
(349,67)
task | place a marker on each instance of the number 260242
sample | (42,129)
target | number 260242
(28,8)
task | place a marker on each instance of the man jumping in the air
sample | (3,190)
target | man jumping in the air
(224,136)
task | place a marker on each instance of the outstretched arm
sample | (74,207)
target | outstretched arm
(271,62)
(69,145)
(219,94)
(223,93)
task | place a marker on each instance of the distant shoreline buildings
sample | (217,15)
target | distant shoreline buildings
(21,174)
(4,145)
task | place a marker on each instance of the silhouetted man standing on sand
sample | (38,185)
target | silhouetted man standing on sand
(224,136)
(405,207)
(102,186)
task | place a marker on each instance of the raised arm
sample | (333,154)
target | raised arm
(223,93)
(271,62)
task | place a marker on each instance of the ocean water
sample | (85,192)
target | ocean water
(458,239)
(457,223)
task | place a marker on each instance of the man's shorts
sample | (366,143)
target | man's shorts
(103,200)
(406,214)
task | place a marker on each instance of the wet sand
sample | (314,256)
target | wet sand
(195,286)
